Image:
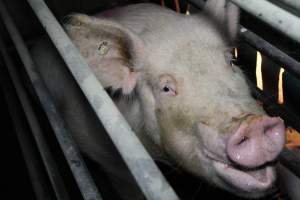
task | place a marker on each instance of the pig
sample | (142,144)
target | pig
(172,78)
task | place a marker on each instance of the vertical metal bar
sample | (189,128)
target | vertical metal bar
(51,167)
(68,145)
(37,177)
(141,165)
(275,16)
(177,6)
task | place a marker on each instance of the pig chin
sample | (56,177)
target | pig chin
(250,184)
(243,161)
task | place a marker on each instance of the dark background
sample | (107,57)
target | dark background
(15,181)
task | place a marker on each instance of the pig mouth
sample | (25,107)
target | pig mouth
(248,180)
(244,160)
(255,182)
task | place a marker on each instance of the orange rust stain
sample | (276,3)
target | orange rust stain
(177,5)
(292,138)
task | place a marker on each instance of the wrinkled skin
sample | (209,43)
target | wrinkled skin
(180,94)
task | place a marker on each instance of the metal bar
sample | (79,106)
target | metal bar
(291,161)
(32,161)
(278,18)
(273,108)
(292,3)
(51,167)
(146,173)
(281,58)
(198,3)
(287,158)
(68,145)
(278,56)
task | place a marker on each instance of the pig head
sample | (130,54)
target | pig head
(180,92)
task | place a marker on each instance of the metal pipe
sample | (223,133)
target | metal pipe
(292,3)
(278,56)
(198,3)
(290,160)
(281,58)
(51,167)
(146,173)
(287,158)
(278,18)
(66,142)
(32,161)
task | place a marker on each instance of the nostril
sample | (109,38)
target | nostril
(269,130)
(243,139)
(256,141)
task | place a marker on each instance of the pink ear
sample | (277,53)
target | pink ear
(226,15)
(129,82)
(112,51)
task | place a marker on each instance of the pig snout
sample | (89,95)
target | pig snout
(257,141)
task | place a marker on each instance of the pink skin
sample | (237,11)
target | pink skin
(256,142)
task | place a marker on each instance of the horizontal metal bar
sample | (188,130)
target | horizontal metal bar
(68,145)
(278,18)
(146,173)
(51,167)
(32,161)
(281,58)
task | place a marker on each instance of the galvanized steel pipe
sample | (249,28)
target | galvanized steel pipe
(292,3)
(38,178)
(48,160)
(275,16)
(68,145)
(148,176)
(290,160)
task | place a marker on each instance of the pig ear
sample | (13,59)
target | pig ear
(112,51)
(226,15)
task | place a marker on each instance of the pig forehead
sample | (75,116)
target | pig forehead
(185,50)
(190,61)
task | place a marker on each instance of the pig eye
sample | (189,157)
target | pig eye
(168,90)
(167,85)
